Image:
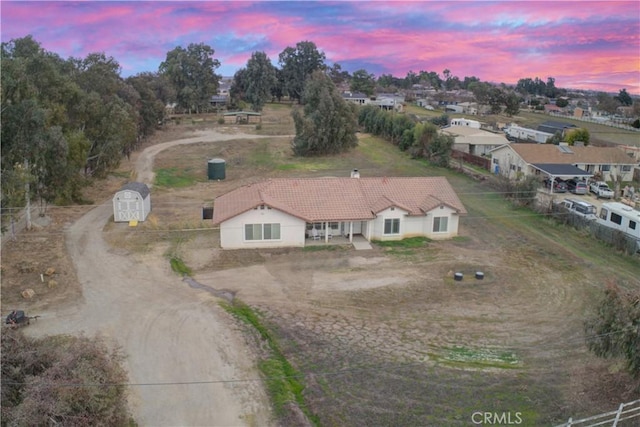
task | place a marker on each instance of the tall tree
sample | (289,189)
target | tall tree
(260,77)
(326,124)
(192,72)
(361,81)
(297,64)
(624,98)
(430,144)
(337,75)
(512,104)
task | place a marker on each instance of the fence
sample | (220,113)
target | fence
(483,162)
(625,412)
(616,238)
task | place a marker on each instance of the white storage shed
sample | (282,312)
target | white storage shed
(132,202)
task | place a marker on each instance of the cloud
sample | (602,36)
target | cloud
(496,41)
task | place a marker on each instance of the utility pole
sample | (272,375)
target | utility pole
(27,196)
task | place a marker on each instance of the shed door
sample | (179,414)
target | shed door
(129,207)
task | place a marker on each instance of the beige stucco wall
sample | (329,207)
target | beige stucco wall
(292,230)
(411,226)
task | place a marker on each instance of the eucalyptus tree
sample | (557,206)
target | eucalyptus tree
(260,78)
(362,81)
(192,72)
(297,64)
(325,124)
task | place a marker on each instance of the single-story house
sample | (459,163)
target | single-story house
(132,202)
(285,212)
(519,133)
(474,140)
(515,160)
(553,127)
(358,98)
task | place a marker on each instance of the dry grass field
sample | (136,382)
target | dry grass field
(387,337)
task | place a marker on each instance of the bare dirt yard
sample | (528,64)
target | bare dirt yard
(381,337)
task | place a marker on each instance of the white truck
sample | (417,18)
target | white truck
(580,208)
(601,190)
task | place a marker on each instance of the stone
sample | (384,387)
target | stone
(28,293)
(52,284)
(50,271)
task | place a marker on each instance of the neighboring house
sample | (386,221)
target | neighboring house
(356,97)
(553,127)
(286,212)
(469,108)
(424,103)
(242,117)
(561,161)
(454,108)
(218,101)
(472,140)
(552,108)
(132,203)
(466,122)
(519,133)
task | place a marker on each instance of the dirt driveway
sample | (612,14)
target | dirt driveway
(183,353)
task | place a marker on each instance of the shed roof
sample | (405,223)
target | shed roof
(140,187)
(339,199)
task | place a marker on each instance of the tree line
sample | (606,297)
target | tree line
(66,120)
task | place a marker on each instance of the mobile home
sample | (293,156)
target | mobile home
(620,217)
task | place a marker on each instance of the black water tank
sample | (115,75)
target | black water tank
(216,169)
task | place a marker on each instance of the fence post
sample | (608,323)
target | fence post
(615,421)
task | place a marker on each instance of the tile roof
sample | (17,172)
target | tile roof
(549,153)
(339,199)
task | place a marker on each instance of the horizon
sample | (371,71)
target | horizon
(583,48)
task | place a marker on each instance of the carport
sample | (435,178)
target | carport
(562,171)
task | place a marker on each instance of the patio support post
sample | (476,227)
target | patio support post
(350,231)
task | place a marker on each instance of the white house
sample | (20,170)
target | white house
(466,122)
(132,203)
(526,134)
(473,140)
(562,161)
(288,211)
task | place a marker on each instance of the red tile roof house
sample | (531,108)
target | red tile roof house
(289,212)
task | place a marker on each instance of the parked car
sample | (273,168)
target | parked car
(601,189)
(580,208)
(559,186)
(577,186)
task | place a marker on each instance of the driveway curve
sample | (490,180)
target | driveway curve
(187,364)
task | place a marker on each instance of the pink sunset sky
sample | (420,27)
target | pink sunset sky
(582,44)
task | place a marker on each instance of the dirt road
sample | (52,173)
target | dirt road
(183,353)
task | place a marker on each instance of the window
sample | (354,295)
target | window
(512,167)
(262,231)
(605,168)
(603,213)
(440,224)
(392,226)
(632,225)
(495,161)
(616,218)
(626,168)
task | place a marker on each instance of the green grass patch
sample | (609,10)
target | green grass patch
(408,243)
(179,266)
(284,383)
(175,178)
(459,356)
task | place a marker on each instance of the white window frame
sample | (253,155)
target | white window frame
(393,223)
(262,229)
(438,221)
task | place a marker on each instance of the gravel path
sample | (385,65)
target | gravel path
(183,351)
